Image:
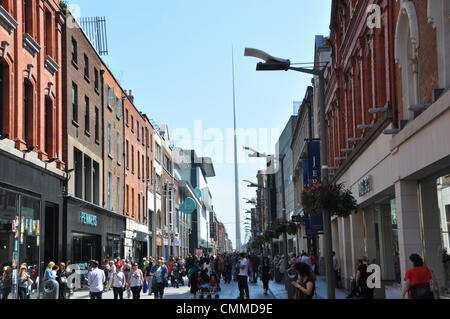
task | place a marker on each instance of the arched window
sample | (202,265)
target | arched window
(438,16)
(406,46)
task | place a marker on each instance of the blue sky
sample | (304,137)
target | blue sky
(176,57)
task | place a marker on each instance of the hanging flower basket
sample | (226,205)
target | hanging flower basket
(333,198)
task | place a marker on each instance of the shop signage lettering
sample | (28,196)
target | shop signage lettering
(88,219)
(365,186)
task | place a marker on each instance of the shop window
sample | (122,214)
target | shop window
(28,112)
(49,127)
(85,248)
(113,246)
(20,231)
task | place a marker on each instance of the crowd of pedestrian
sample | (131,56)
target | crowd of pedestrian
(205,274)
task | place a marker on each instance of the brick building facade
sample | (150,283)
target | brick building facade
(388,109)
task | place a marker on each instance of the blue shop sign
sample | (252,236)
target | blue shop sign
(88,219)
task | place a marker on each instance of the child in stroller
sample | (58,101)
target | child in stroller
(209,286)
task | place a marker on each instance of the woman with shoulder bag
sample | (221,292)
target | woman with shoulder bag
(118,282)
(306,285)
(24,283)
(136,281)
(418,280)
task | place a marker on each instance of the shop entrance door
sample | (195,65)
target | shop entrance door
(86,247)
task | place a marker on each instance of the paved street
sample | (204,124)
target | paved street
(230,291)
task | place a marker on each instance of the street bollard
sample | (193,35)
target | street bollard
(51,289)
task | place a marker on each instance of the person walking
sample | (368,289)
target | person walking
(354,284)
(418,280)
(119,282)
(126,271)
(242,265)
(24,283)
(337,269)
(136,281)
(148,277)
(6,281)
(176,266)
(159,272)
(306,284)
(61,278)
(48,273)
(313,260)
(96,278)
(265,271)
(361,279)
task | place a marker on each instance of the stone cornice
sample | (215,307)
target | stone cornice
(30,44)
(7,21)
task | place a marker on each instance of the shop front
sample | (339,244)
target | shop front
(401,184)
(91,232)
(136,242)
(30,210)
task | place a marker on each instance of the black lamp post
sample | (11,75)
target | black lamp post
(272,63)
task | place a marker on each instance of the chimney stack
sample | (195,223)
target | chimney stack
(130,96)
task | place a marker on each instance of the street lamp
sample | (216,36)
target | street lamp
(272,63)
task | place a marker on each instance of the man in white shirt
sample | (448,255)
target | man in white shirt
(96,278)
(243,277)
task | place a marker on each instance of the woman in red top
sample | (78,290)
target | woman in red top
(418,280)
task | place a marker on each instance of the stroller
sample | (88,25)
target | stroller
(210,288)
(207,291)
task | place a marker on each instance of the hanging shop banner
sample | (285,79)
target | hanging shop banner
(189,206)
(314,168)
(159,240)
(313,224)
